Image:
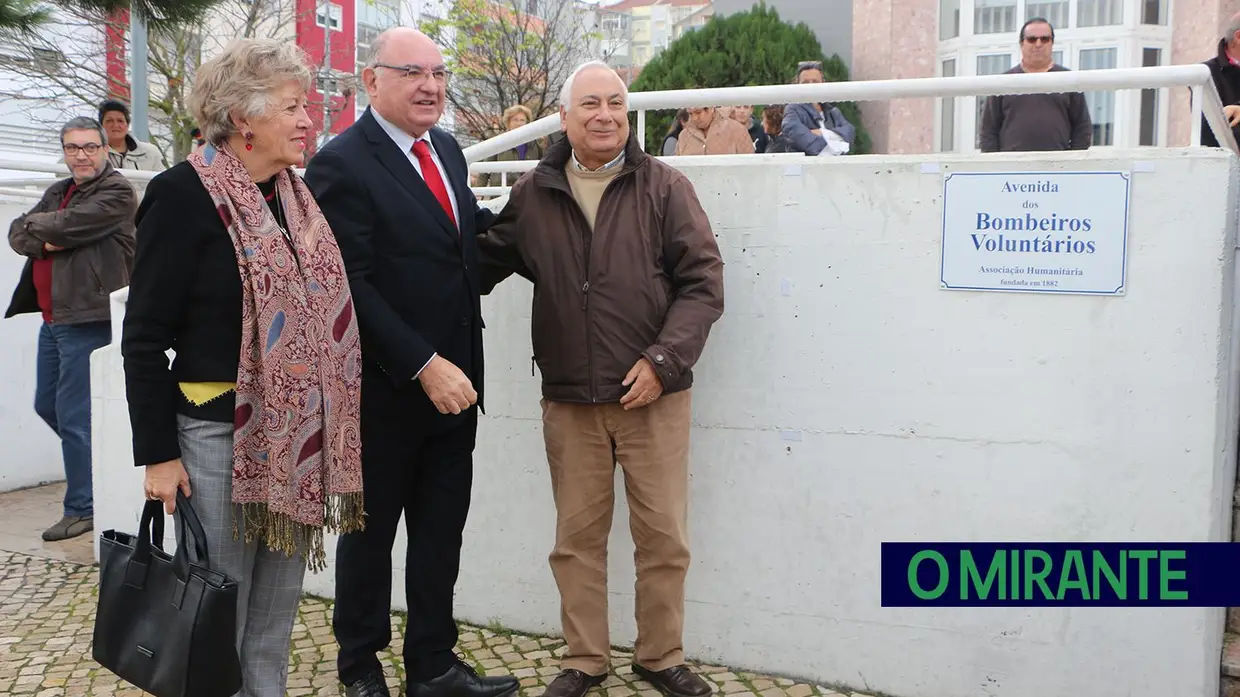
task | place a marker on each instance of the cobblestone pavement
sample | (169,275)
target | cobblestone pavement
(47,608)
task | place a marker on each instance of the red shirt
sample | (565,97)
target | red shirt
(42,269)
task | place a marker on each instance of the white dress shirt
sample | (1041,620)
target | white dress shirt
(405,142)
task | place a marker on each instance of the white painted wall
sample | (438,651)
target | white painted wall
(31,450)
(867,405)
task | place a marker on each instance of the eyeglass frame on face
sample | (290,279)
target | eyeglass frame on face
(412,72)
(1040,40)
(72,149)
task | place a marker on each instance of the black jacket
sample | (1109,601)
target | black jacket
(1227,82)
(414,277)
(758,134)
(96,230)
(186,296)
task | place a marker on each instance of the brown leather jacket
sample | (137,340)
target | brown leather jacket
(647,282)
(96,231)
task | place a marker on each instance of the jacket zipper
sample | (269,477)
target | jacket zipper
(587,246)
(587,250)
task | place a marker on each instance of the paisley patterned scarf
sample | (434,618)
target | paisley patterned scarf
(297,441)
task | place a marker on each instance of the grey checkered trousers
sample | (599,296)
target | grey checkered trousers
(269,591)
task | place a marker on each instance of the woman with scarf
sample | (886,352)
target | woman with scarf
(256,421)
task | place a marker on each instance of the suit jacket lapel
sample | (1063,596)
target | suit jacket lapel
(458,179)
(396,162)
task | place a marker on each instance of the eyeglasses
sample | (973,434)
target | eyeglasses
(72,149)
(1039,39)
(416,73)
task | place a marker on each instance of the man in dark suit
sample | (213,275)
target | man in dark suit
(395,190)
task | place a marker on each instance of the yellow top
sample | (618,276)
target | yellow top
(199,393)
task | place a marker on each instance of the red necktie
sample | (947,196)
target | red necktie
(430,174)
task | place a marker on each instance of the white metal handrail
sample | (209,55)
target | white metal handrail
(20,187)
(59,169)
(1205,98)
(1205,101)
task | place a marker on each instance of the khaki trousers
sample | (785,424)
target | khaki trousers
(651,444)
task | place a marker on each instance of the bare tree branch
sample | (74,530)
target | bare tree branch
(507,52)
(64,66)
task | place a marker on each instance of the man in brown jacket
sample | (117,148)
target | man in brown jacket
(710,133)
(78,243)
(628,282)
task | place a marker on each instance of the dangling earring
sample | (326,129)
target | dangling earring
(248,144)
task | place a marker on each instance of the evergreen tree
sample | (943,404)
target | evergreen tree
(746,48)
(23,16)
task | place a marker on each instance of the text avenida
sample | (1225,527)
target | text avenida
(1055,241)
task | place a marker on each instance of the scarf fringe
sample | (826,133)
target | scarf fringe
(344,514)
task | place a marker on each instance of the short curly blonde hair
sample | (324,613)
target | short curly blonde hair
(517,109)
(241,79)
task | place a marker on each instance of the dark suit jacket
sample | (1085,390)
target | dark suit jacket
(1227,82)
(414,277)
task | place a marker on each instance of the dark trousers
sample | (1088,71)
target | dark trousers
(62,399)
(428,478)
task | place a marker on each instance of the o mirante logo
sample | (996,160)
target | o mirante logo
(1068,574)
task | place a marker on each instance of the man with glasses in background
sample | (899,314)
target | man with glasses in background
(1041,122)
(395,189)
(79,242)
(816,128)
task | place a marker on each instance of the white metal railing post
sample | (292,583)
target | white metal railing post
(1212,107)
(641,129)
(1196,102)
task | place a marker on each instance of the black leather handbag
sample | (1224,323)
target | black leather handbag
(166,623)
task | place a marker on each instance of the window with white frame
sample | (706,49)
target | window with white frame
(1149,131)
(1057,58)
(988,64)
(947,112)
(1099,13)
(1055,12)
(1154,12)
(1101,104)
(994,16)
(322,12)
(380,14)
(949,19)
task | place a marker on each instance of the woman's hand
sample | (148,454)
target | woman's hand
(162,482)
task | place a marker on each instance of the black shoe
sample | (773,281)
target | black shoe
(372,685)
(463,681)
(573,683)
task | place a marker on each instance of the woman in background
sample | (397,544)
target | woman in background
(514,117)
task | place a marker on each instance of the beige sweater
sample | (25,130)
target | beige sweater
(588,188)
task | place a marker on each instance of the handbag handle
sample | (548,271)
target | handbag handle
(191,532)
(150,532)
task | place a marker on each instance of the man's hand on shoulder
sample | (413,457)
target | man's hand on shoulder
(447,386)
